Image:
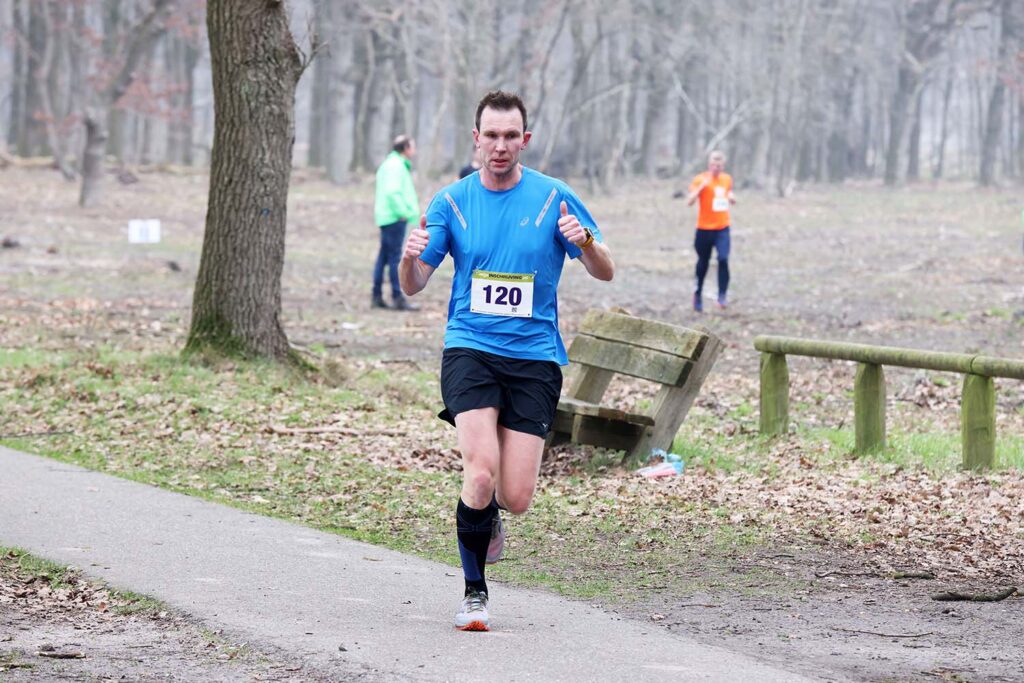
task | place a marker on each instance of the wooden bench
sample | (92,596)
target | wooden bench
(677,358)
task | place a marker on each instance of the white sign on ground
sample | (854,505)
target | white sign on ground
(144,231)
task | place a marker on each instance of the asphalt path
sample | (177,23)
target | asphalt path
(360,611)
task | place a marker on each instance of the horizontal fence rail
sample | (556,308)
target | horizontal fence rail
(977,410)
(963,363)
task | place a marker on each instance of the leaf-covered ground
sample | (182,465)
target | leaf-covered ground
(789,542)
(56,624)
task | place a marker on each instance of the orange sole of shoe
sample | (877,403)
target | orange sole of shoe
(474,626)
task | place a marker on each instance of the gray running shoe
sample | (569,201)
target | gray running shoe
(496,548)
(472,614)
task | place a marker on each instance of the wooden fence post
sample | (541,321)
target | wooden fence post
(869,408)
(774,394)
(978,422)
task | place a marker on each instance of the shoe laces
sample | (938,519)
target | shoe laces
(474,602)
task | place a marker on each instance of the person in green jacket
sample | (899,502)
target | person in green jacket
(396,203)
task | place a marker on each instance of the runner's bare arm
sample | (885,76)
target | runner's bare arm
(692,197)
(413,272)
(595,257)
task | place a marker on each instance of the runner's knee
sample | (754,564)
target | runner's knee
(481,481)
(518,499)
(519,505)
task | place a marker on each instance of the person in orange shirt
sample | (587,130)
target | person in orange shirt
(714,190)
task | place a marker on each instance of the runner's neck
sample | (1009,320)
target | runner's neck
(496,184)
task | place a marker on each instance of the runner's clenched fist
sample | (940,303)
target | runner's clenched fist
(418,240)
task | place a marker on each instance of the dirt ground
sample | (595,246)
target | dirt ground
(77,630)
(931,267)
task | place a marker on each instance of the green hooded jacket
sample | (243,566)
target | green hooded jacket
(396,196)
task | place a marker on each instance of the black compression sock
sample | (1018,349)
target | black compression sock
(473,528)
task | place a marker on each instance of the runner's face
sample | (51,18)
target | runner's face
(501,138)
(716,165)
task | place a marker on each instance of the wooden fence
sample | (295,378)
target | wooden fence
(978,405)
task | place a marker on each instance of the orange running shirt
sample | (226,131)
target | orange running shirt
(714,201)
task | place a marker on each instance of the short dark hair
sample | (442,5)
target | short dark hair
(401,143)
(501,101)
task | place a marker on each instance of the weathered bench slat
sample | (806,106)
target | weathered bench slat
(597,431)
(627,359)
(651,334)
(578,407)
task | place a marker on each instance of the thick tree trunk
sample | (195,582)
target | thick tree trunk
(256,66)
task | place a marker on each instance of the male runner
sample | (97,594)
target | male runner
(714,189)
(508,229)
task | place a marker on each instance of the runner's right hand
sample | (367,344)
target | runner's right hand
(418,240)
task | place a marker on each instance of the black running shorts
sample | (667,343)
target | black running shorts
(525,392)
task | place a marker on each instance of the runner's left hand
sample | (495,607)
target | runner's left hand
(570,227)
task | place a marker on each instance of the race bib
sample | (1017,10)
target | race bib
(507,294)
(720,202)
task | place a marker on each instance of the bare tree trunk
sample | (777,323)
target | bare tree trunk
(320,92)
(30,142)
(18,79)
(48,67)
(994,120)
(333,110)
(914,149)
(365,59)
(1020,140)
(92,159)
(905,84)
(142,38)
(256,67)
(114,126)
(940,148)
(182,57)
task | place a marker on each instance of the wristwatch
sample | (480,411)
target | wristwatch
(585,244)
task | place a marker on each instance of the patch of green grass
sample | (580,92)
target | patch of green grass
(934,451)
(1001,313)
(29,358)
(25,564)
(743,410)
(136,603)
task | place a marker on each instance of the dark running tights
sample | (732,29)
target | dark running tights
(703,243)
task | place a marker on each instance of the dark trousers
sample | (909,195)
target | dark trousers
(391,238)
(703,243)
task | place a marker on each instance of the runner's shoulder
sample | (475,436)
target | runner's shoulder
(547,182)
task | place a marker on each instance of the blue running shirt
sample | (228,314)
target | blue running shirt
(506,247)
